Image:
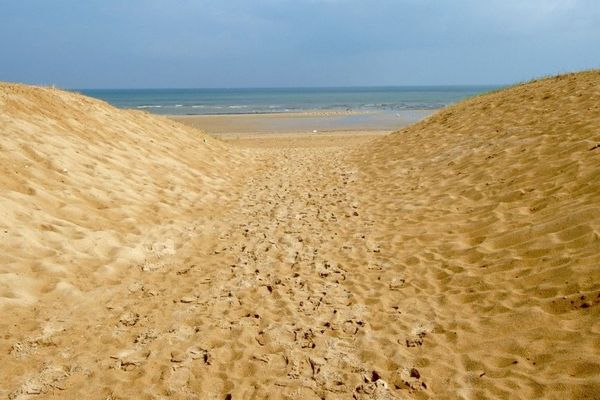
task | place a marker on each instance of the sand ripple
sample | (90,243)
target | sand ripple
(457,258)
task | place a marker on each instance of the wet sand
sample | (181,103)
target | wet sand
(306,122)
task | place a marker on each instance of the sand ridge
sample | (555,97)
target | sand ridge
(491,212)
(456,258)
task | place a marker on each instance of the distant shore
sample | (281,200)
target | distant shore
(303,122)
(323,101)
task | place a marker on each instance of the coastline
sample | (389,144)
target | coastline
(308,122)
(340,100)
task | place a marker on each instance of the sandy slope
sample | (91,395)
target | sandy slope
(83,180)
(490,211)
(88,191)
(457,258)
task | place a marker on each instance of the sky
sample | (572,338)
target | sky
(293,43)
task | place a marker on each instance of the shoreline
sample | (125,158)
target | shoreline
(302,122)
(306,113)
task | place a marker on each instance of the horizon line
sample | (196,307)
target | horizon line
(288,87)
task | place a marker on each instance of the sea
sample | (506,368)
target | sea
(286,100)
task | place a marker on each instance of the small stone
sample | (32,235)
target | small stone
(414,373)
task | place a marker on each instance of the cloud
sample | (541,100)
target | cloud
(294,42)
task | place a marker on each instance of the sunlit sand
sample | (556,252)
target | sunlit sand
(455,258)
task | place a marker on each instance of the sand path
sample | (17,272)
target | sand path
(261,299)
(297,286)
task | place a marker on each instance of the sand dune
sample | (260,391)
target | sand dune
(490,213)
(82,180)
(457,258)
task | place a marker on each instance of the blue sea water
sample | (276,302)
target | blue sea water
(278,100)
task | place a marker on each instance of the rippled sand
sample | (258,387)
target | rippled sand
(456,258)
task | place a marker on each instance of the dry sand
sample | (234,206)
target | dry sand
(457,258)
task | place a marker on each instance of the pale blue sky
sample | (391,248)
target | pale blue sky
(272,43)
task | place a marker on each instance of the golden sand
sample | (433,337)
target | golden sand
(456,258)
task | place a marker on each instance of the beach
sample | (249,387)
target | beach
(306,129)
(305,122)
(302,256)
